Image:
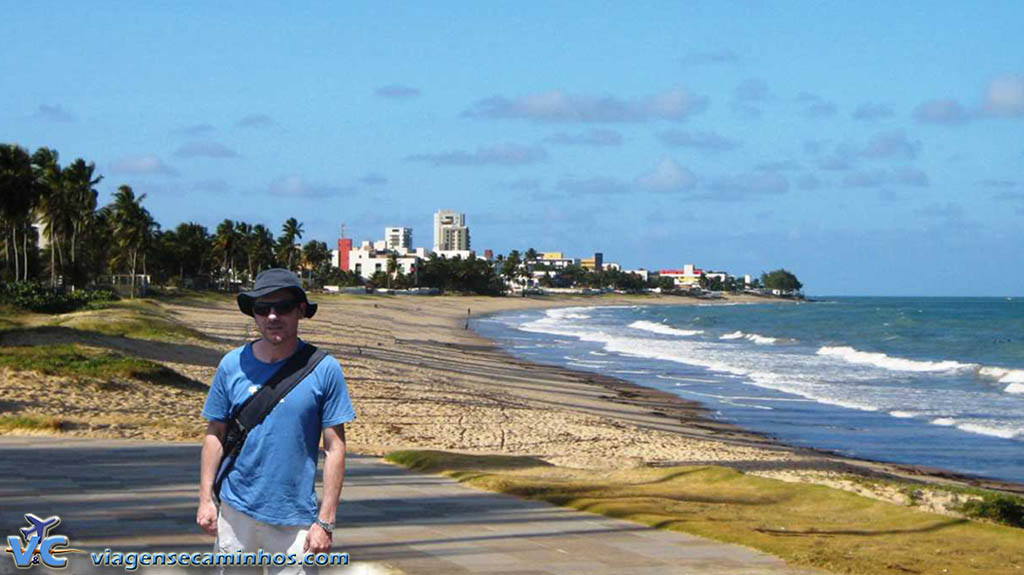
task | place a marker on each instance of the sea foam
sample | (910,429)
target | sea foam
(884,361)
(756,338)
(663,329)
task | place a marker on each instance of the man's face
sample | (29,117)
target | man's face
(276,326)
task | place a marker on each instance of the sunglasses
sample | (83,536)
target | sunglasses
(282,307)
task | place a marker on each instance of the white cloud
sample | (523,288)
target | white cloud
(205,150)
(256,121)
(668,177)
(591,138)
(373,179)
(891,145)
(296,186)
(748,185)
(397,92)
(751,90)
(816,107)
(942,111)
(197,129)
(501,154)
(557,106)
(1005,96)
(705,141)
(143,165)
(902,176)
(869,111)
(594,186)
(55,113)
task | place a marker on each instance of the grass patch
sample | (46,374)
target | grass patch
(29,422)
(802,523)
(139,319)
(80,362)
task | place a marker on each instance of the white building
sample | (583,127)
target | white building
(551,260)
(450,232)
(398,239)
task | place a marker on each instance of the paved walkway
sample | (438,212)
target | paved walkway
(133,495)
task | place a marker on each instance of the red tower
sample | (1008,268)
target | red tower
(344,247)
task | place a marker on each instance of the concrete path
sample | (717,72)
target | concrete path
(134,495)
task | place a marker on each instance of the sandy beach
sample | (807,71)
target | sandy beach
(420,379)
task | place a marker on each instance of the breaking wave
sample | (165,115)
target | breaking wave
(663,329)
(884,361)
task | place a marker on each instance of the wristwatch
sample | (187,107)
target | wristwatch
(327,527)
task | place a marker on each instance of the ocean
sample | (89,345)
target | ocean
(927,381)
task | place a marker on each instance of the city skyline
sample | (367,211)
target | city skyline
(871,149)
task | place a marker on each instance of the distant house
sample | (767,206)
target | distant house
(686,278)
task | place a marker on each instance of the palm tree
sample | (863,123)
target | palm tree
(261,249)
(189,245)
(19,193)
(291,232)
(392,267)
(225,244)
(315,255)
(79,184)
(243,231)
(510,267)
(133,228)
(54,205)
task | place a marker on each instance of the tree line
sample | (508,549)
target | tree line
(84,244)
(43,202)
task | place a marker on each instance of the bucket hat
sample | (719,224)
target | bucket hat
(270,281)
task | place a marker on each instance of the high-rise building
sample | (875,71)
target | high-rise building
(450,231)
(398,239)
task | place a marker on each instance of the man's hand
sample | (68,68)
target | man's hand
(206,517)
(213,447)
(317,540)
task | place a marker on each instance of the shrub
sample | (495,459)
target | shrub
(1000,508)
(42,299)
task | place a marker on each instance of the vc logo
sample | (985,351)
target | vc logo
(38,545)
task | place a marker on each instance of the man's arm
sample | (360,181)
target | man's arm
(317,540)
(213,449)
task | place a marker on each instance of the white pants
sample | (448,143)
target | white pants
(237,531)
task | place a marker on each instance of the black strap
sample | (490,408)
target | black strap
(258,406)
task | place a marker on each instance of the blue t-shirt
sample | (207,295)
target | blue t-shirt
(273,479)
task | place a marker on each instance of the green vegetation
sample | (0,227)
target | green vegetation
(781,279)
(804,524)
(997,507)
(81,362)
(41,299)
(30,422)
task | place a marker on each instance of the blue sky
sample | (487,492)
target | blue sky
(871,148)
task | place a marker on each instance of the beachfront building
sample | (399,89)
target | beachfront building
(686,278)
(368,262)
(372,257)
(720,276)
(595,263)
(550,261)
(450,232)
(398,239)
(644,274)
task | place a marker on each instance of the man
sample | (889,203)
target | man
(268,499)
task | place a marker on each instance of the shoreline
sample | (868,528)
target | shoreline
(421,379)
(692,419)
